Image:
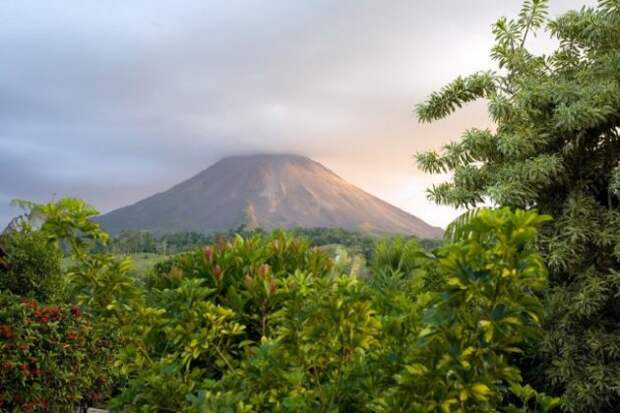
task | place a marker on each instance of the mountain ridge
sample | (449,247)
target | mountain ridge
(267,191)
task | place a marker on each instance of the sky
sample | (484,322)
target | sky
(112,101)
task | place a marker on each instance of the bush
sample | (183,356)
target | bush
(32,264)
(268,324)
(50,357)
(55,355)
(329,348)
(204,310)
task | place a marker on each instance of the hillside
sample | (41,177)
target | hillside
(266,191)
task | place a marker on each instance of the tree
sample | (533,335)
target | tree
(556,147)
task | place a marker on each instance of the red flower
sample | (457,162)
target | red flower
(75,310)
(71,336)
(52,312)
(6,331)
(7,365)
(29,406)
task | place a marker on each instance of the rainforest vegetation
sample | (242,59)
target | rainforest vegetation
(516,311)
(134,241)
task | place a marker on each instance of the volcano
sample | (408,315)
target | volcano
(268,192)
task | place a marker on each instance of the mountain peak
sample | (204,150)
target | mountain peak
(269,191)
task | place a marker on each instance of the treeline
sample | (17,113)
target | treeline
(136,241)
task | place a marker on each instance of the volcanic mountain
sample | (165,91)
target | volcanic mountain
(266,191)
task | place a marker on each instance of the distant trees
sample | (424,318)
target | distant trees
(556,148)
(135,241)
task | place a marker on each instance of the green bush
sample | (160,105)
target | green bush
(335,344)
(268,324)
(468,331)
(32,264)
(204,310)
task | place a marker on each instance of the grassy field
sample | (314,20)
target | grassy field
(143,262)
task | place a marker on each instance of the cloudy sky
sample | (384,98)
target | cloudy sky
(112,101)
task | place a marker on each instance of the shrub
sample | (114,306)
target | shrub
(448,351)
(32,264)
(315,356)
(467,333)
(267,324)
(50,357)
(244,274)
(54,353)
(203,310)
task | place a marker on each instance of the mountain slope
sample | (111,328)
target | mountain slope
(266,191)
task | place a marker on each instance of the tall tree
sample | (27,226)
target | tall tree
(556,147)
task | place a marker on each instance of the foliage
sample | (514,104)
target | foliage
(555,147)
(187,340)
(50,357)
(309,363)
(135,242)
(204,309)
(64,351)
(461,360)
(336,344)
(32,265)
(244,273)
(397,263)
(268,323)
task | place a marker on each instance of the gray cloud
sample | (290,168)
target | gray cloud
(112,101)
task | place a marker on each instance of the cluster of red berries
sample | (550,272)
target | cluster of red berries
(75,310)
(5,331)
(45,314)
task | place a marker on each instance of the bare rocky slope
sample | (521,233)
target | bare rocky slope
(266,191)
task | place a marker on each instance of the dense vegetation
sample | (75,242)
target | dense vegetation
(556,147)
(134,241)
(271,323)
(268,323)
